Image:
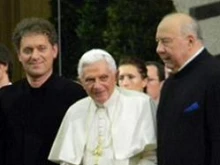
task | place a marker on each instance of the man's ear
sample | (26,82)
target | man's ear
(191,40)
(79,80)
(19,57)
(6,67)
(55,50)
(144,83)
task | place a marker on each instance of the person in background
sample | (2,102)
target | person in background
(33,107)
(6,66)
(132,74)
(111,126)
(189,108)
(155,79)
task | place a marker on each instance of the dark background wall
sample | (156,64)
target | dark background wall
(124,28)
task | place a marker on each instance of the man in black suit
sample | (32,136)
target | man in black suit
(32,108)
(188,117)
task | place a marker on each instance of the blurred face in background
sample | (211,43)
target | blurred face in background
(129,77)
(153,82)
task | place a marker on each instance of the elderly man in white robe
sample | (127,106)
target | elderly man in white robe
(112,126)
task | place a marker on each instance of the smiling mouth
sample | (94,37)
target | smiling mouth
(36,63)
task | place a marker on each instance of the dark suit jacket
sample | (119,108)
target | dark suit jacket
(188,117)
(31,118)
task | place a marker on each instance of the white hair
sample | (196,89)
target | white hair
(93,56)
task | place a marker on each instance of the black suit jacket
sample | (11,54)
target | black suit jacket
(188,117)
(31,117)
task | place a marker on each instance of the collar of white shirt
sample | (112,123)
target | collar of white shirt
(190,59)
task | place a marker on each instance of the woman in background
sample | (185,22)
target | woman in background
(132,74)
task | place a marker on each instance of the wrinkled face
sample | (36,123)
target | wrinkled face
(99,81)
(172,46)
(36,54)
(153,82)
(130,78)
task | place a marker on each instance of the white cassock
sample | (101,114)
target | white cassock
(120,132)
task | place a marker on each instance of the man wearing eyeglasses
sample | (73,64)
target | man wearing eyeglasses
(155,79)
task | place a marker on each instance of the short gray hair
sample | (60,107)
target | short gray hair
(93,56)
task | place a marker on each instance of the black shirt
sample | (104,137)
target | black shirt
(31,118)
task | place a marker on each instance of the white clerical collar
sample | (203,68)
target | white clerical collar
(191,58)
